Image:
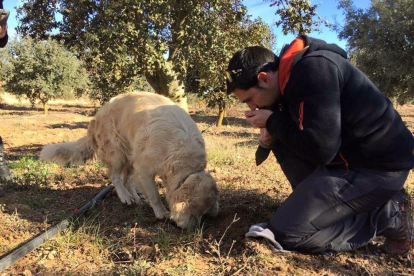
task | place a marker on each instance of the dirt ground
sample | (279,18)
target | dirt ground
(116,239)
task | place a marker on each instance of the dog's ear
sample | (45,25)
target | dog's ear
(205,195)
(179,203)
(183,193)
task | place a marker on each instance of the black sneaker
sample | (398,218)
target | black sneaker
(402,241)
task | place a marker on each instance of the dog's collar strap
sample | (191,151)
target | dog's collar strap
(185,178)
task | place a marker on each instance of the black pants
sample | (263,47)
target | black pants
(332,209)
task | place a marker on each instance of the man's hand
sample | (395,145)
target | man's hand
(3,31)
(258,118)
(265,137)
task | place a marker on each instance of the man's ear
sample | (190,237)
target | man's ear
(263,77)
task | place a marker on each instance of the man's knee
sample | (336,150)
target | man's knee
(296,241)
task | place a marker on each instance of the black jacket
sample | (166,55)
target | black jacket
(345,117)
(3,41)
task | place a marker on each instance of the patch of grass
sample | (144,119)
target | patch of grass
(139,267)
(196,236)
(83,233)
(262,258)
(38,202)
(220,157)
(138,213)
(12,221)
(185,268)
(227,151)
(162,243)
(97,165)
(31,171)
(58,177)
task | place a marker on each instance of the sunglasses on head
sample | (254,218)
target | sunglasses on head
(231,75)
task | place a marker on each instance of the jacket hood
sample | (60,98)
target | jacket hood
(317,44)
(302,45)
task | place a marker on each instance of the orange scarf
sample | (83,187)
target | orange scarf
(286,61)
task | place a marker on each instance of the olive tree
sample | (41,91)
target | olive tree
(41,71)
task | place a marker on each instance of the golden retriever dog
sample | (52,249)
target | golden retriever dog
(141,135)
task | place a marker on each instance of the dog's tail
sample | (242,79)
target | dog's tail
(77,152)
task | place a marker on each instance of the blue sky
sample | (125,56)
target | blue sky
(327,10)
(9,5)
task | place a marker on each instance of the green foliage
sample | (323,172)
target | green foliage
(138,267)
(174,44)
(31,171)
(222,37)
(119,40)
(297,16)
(41,70)
(381,44)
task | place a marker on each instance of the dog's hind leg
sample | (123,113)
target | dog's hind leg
(146,183)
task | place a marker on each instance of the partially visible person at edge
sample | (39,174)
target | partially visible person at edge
(4,170)
(339,141)
(3,31)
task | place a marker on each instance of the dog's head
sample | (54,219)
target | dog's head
(198,195)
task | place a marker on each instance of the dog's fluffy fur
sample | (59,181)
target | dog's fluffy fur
(141,135)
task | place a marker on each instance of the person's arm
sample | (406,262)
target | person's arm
(5,38)
(315,130)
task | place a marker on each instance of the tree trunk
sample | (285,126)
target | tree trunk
(45,108)
(222,108)
(166,82)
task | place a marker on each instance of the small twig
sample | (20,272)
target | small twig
(228,227)
(221,239)
(135,247)
(76,267)
(231,247)
(239,270)
(124,262)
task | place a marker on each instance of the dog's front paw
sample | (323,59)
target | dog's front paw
(137,199)
(126,198)
(162,213)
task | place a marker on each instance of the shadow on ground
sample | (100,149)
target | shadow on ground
(72,125)
(231,121)
(24,110)
(16,153)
